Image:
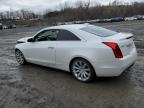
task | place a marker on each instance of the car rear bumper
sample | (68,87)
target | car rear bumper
(118,67)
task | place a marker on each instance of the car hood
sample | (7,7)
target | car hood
(24,39)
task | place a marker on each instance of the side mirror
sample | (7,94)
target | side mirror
(30,40)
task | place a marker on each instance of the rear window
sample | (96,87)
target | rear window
(99,31)
(65,35)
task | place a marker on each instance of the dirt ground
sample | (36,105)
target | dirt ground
(33,86)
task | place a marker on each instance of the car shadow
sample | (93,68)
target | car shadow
(39,70)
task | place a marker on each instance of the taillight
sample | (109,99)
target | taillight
(116,50)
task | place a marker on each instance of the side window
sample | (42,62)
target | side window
(65,35)
(47,35)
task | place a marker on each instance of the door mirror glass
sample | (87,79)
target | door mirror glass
(30,40)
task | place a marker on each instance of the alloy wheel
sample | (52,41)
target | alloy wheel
(81,70)
(19,57)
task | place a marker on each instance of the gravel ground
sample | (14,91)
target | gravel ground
(33,86)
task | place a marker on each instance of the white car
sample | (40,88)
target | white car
(1,26)
(5,27)
(130,18)
(85,50)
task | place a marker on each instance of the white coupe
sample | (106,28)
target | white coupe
(83,49)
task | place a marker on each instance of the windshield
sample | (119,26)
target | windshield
(99,31)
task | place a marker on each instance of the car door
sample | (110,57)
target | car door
(42,50)
(66,44)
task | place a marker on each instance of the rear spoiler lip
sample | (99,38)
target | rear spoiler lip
(129,35)
(119,36)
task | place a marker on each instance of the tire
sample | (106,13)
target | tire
(82,70)
(20,57)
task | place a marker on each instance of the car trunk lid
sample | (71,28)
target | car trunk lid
(124,41)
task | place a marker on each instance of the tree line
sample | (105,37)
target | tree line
(18,15)
(84,11)
(77,11)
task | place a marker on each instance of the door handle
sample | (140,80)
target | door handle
(50,47)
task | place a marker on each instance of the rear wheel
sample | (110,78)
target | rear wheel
(20,57)
(82,70)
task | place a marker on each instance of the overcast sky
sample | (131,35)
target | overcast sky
(41,5)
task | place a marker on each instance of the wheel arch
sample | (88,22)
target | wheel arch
(18,49)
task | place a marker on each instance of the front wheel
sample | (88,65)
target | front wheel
(20,57)
(82,70)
